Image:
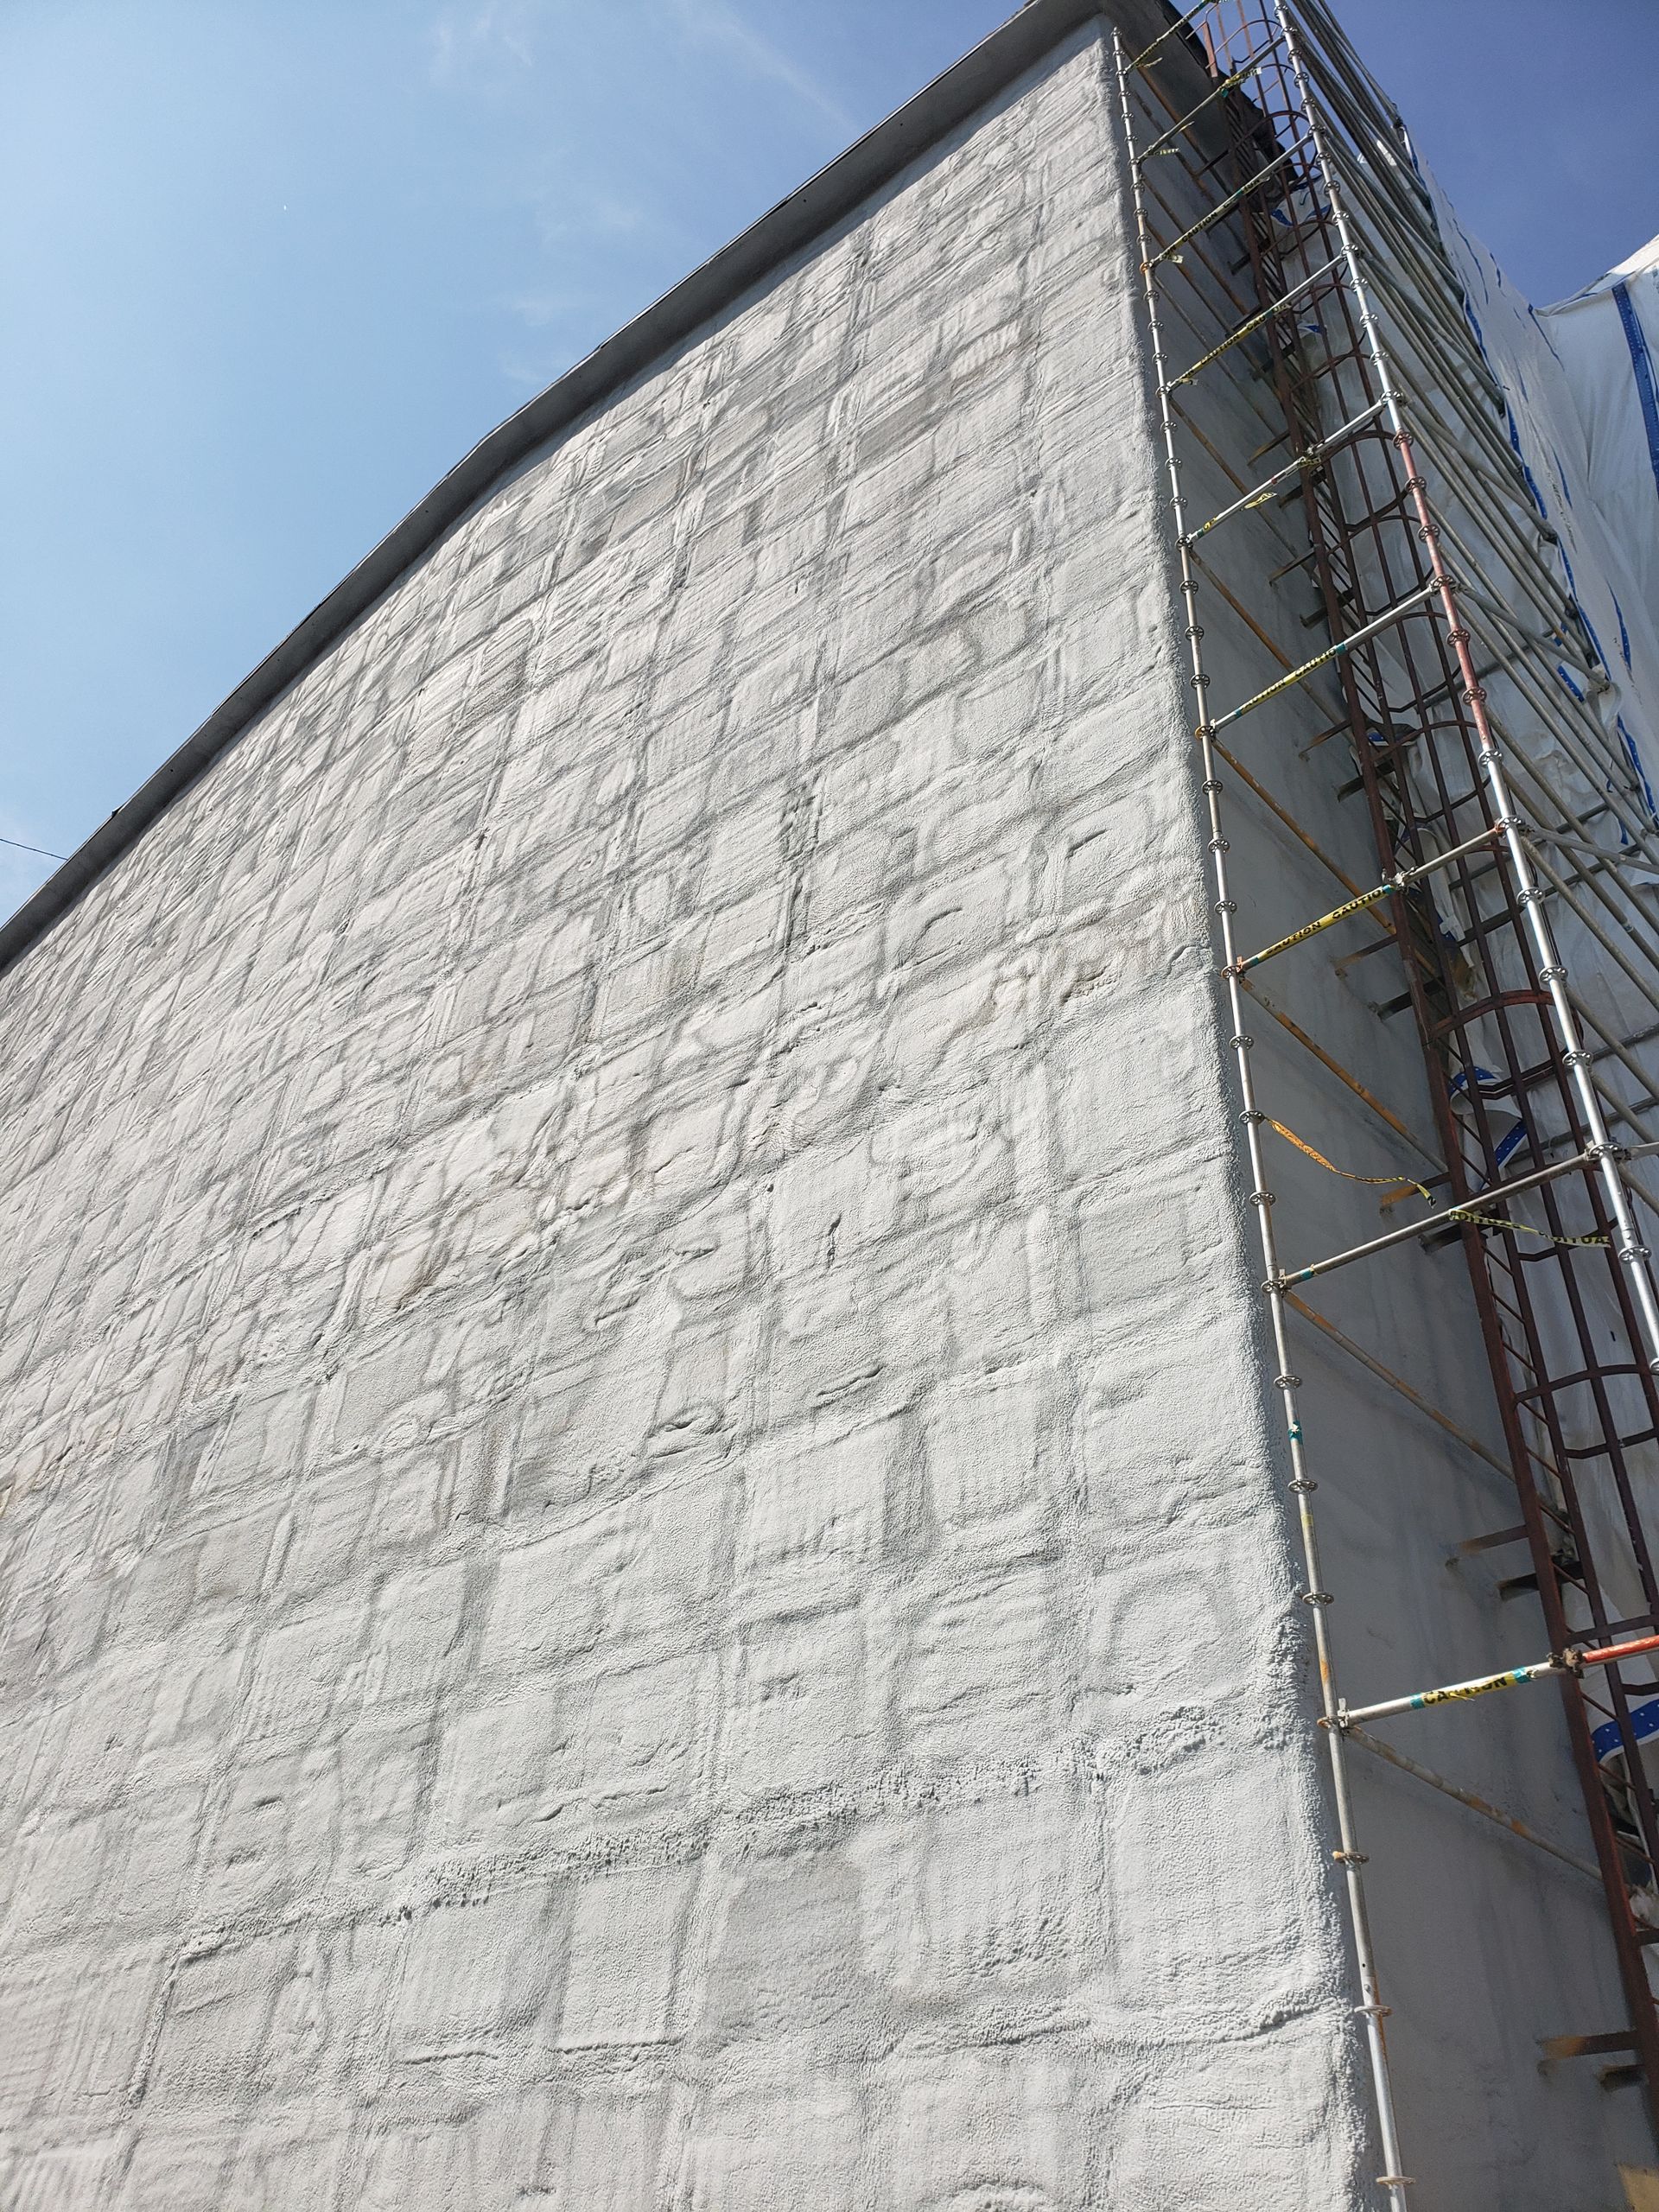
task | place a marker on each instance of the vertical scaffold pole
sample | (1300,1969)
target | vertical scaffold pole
(1530,895)
(1371,2009)
(1601,1156)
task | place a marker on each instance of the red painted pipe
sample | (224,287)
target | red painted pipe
(1611,1651)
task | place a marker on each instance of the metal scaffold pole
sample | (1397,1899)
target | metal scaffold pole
(1315,1597)
(1631,1249)
(1356,392)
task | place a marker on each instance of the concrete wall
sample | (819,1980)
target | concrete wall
(643,1568)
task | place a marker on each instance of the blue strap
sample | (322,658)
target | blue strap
(1642,366)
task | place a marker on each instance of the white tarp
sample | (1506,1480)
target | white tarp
(1584,419)
(1607,339)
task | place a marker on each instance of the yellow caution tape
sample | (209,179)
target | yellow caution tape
(1311,929)
(1399,1189)
(1521,1228)
(1347,1174)
(1512,1678)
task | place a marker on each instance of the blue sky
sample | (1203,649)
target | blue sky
(271,266)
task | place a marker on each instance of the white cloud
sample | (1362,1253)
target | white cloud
(533,373)
(556,327)
(470,39)
(586,214)
(535,310)
(712,22)
(463,40)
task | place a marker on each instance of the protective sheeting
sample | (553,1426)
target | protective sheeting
(1579,383)
(1607,338)
(1572,385)
(1578,398)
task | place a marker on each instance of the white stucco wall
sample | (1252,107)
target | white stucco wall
(643,1569)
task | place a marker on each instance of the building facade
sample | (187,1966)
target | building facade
(650,1558)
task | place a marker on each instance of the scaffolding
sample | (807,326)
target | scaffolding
(1289,246)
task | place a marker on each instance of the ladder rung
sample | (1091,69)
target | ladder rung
(1585,2046)
(1473,1544)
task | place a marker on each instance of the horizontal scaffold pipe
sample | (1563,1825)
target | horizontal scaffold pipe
(1331,43)
(1435,301)
(1181,23)
(1182,125)
(1475,1210)
(1552,640)
(1355,906)
(1547,801)
(1226,206)
(1413,599)
(1244,393)
(1570,1661)
(1523,555)
(1563,718)
(1312,458)
(1437,353)
(1645,987)
(1614,1047)
(1359,137)
(1529,578)
(1255,323)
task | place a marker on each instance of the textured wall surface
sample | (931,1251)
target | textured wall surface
(643,1570)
